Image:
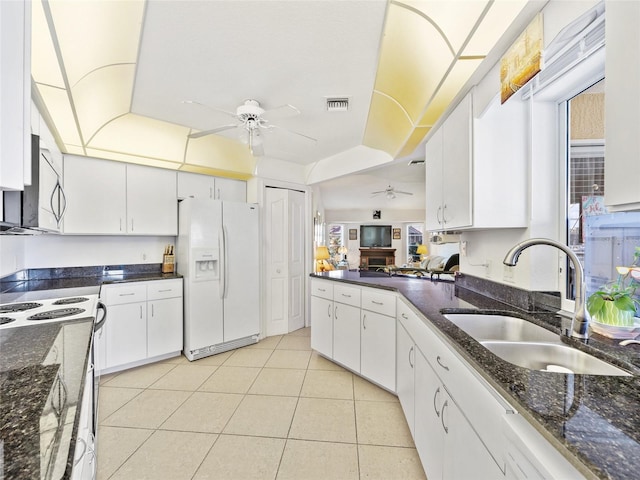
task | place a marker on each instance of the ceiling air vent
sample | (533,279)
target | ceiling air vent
(337,104)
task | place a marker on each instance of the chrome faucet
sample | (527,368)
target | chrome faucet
(580,321)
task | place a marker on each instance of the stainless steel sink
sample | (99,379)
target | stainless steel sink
(529,345)
(552,357)
(501,327)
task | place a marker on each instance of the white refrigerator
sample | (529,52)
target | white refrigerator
(217,253)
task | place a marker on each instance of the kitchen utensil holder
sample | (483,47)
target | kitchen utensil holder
(168,263)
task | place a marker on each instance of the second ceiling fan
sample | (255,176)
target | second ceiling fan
(251,122)
(390,192)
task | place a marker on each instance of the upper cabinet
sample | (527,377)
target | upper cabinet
(105,197)
(205,186)
(476,168)
(622,106)
(15,94)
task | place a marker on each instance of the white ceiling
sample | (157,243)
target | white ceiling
(220,53)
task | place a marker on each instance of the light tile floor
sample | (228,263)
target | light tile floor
(274,410)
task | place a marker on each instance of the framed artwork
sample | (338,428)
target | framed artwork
(353,234)
(377,214)
(396,233)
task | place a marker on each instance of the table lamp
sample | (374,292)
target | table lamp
(422,250)
(322,253)
(343,251)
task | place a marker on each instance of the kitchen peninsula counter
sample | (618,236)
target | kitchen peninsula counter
(601,436)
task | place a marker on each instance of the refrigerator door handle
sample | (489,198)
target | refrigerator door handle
(225,270)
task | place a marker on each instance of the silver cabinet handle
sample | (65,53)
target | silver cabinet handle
(140,311)
(152,310)
(165,290)
(435,399)
(329,310)
(444,209)
(439,360)
(321,290)
(125,294)
(438,215)
(210,192)
(120,226)
(410,352)
(335,312)
(404,315)
(446,404)
(132,224)
(345,295)
(364,321)
(84,450)
(377,303)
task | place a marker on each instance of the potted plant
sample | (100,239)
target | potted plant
(615,302)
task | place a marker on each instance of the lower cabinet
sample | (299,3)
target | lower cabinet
(346,335)
(144,321)
(447,444)
(405,376)
(378,349)
(85,461)
(322,326)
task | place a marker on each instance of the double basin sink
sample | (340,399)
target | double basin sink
(528,345)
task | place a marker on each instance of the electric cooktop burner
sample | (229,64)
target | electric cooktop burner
(68,301)
(63,312)
(19,307)
(5,320)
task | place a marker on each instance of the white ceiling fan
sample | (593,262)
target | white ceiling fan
(252,121)
(390,192)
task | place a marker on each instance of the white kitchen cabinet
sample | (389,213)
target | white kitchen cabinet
(346,326)
(405,373)
(152,207)
(622,106)
(126,333)
(322,325)
(105,197)
(378,337)
(15,94)
(476,168)
(448,446)
(230,190)
(164,317)
(84,462)
(144,323)
(448,177)
(205,186)
(96,196)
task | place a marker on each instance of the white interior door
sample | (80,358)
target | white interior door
(276,239)
(296,260)
(284,258)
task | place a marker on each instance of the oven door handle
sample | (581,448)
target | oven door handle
(100,323)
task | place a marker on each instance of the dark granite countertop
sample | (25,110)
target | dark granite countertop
(26,378)
(600,430)
(28,372)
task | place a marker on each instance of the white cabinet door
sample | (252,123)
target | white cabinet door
(230,190)
(456,167)
(428,433)
(152,206)
(322,325)
(164,326)
(15,93)
(346,335)
(378,348)
(96,196)
(405,382)
(195,185)
(433,181)
(126,334)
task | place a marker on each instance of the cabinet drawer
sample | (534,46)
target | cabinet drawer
(124,293)
(347,295)
(376,301)
(322,289)
(164,289)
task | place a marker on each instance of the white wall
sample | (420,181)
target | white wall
(537,268)
(46,251)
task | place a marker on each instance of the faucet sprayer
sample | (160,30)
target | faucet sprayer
(580,321)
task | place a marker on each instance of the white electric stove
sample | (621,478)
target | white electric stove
(36,312)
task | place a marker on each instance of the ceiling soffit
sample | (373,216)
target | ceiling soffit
(429,51)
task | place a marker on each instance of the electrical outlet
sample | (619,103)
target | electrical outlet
(463,248)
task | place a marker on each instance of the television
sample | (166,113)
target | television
(378,236)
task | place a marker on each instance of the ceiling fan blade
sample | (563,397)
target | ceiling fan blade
(192,102)
(403,193)
(378,192)
(283,111)
(212,131)
(302,135)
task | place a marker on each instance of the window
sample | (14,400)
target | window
(414,238)
(336,240)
